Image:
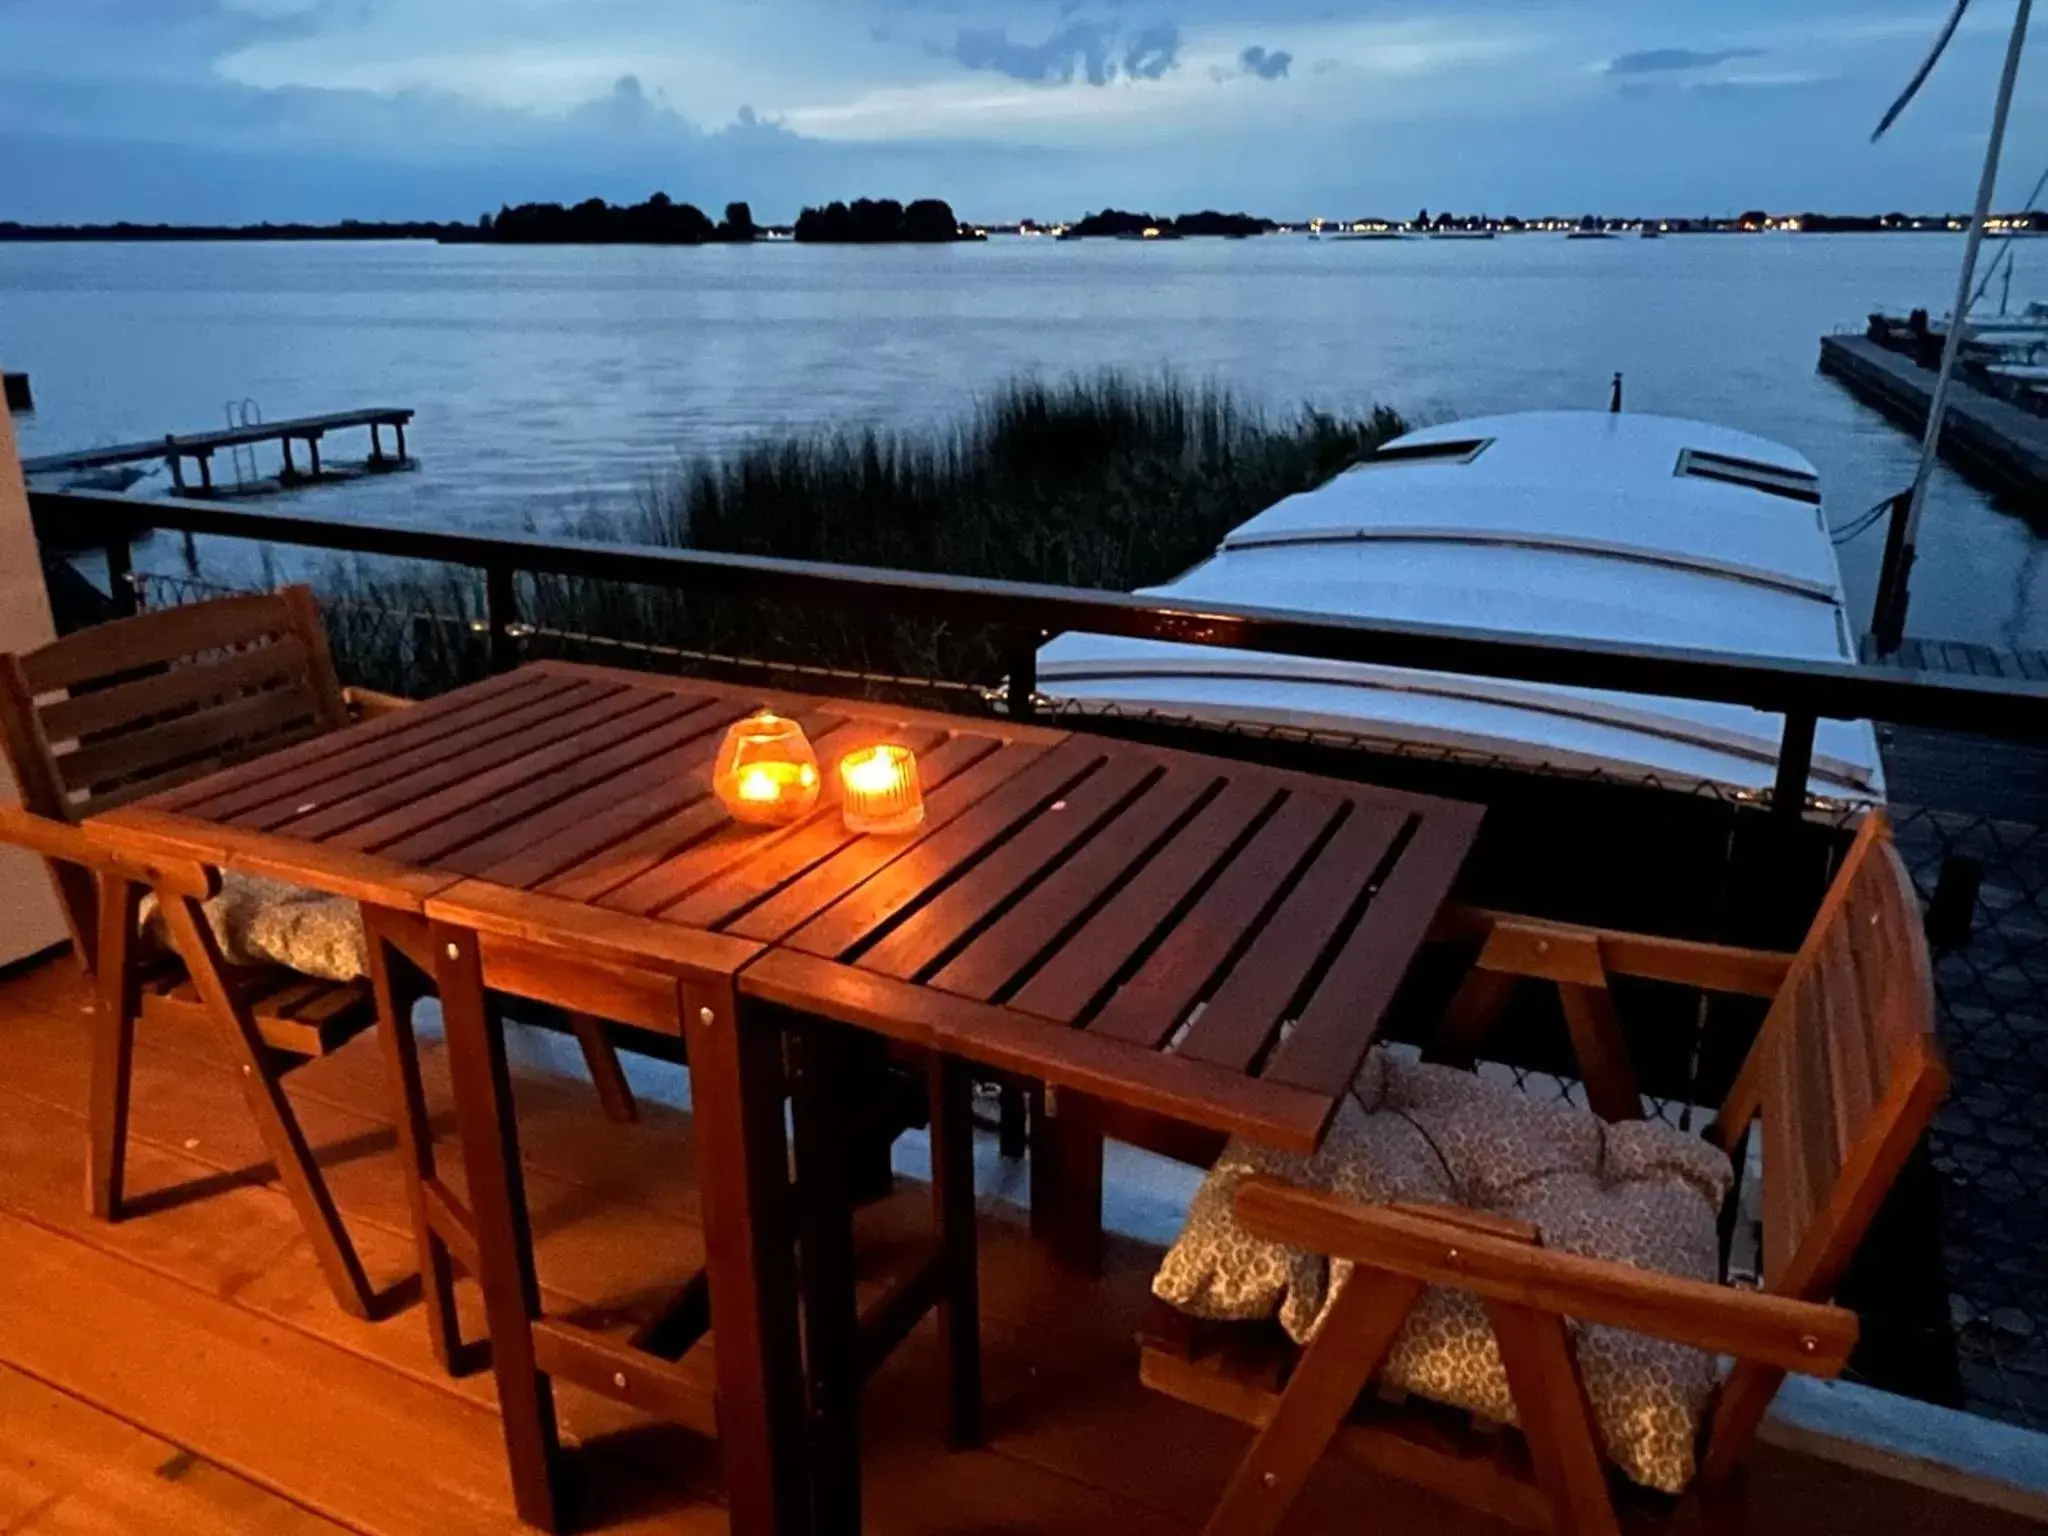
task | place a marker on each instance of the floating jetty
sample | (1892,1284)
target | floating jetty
(175,450)
(1988,439)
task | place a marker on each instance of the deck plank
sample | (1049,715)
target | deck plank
(66,1466)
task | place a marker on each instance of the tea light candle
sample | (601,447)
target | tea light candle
(766,774)
(880,791)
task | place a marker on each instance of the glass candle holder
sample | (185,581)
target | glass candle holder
(766,774)
(879,791)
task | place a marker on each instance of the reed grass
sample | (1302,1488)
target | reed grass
(1107,481)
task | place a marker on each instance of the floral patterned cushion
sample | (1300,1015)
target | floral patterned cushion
(259,921)
(1637,1192)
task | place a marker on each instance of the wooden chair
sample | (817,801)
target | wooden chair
(1844,1075)
(130,709)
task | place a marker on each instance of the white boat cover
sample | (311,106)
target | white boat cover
(1574,524)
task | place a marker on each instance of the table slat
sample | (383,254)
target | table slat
(1328,1043)
(616,802)
(826,882)
(733,846)
(1149,1006)
(1065,987)
(997,955)
(931,859)
(387,779)
(220,796)
(426,830)
(1252,1002)
(718,902)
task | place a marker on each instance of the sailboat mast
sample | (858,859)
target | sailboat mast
(1952,343)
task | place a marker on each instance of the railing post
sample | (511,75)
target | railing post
(501,613)
(1795,767)
(121,577)
(1020,660)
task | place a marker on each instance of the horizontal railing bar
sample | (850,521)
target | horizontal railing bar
(1829,690)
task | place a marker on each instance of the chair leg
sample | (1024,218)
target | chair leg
(1556,1419)
(497,1189)
(825,1240)
(397,990)
(1332,1371)
(952,1106)
(607,1075)
(275,1119)
(115,1008)
(1744,1400)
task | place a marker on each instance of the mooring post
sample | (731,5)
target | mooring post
(1888,613)
(1614,400)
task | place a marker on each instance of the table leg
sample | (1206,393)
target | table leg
(736,1091)
(825,1064)
(497,1192)
(952,1101)
(1066,1179)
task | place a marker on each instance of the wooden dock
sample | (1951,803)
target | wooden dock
(200,447)
(1952,772)
(1990,440)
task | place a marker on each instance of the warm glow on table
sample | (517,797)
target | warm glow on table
(879,789)
(766,774)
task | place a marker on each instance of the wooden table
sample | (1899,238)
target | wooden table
(1167,941)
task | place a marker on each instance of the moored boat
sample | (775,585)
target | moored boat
(1596,526)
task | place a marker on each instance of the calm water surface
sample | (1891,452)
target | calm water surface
(551,382)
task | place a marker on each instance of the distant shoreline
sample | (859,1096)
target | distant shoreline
(885,222)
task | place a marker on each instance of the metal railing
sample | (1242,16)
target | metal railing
(1804,692)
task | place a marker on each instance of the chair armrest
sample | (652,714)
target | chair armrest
(1808,1337)
(98,849)
(368,703)
(1652,957)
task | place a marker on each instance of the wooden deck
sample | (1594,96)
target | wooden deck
(186,1370)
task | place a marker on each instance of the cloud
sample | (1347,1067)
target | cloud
(1153,52)
(1654,60)
(1255,60)
(1080,48)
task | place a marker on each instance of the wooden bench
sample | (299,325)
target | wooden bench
(1844,1077)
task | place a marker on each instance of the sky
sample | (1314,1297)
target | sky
(233,110)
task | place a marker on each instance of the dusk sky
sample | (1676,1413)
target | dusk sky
(245,109)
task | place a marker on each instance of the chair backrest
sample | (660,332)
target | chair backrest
(1845,1073)
(138,706)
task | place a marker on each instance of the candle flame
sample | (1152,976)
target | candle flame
(758,784)
(873,772)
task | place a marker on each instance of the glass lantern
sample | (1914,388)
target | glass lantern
(766,774)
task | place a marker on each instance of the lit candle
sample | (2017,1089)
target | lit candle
(766,774)
(880,791)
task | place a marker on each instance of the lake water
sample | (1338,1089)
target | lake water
(553,381)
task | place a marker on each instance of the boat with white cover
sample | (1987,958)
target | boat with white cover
(1641,529)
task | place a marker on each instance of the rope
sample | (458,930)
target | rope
(1861,524)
